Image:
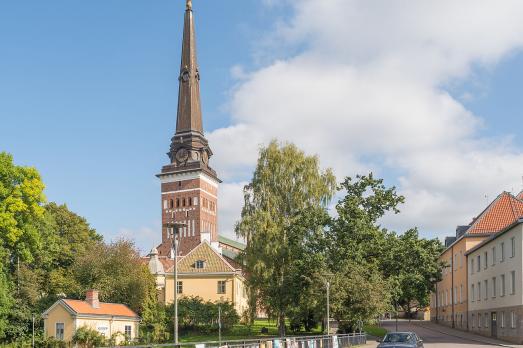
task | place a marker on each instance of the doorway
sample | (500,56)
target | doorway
(493,324)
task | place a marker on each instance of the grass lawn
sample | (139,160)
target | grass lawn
(241,332)
(374,330)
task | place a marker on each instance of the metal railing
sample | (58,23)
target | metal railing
(330,341)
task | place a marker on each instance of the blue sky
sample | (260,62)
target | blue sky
(88,94)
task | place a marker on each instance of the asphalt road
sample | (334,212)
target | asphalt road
(433,338)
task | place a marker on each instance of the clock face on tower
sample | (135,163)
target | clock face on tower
(182,155)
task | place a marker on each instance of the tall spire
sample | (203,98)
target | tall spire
(189,106)
(189,148)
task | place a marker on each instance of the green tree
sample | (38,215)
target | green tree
(117,271)
(21,199)
(414,265)
(406,265)
(284,210)
(359,293)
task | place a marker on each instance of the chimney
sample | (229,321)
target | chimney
(91,297)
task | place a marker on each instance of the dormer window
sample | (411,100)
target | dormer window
(200,264)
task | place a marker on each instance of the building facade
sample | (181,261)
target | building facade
(495,284)
(204,273)
(66,316)
(450,301)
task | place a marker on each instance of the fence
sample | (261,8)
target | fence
(331,341)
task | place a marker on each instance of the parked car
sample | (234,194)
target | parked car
(400,340)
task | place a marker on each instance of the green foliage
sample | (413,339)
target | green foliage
(21,197)
(387,268)
(117,271)
(86,337)
(413,266)
(283,216)
(47,251)
(197,315)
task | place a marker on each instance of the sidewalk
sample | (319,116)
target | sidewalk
(464,334)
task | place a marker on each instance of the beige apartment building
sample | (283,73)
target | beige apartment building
(204,272)
(495,285)
(449,302)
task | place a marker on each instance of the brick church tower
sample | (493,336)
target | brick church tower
(189,185)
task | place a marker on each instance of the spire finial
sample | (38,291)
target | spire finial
(189,4)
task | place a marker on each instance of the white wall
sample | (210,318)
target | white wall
(500,267)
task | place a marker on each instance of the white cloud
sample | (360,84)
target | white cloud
(366,93)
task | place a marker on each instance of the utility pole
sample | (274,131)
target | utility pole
(174,232)
(33,330)
(220,325)
(328,307)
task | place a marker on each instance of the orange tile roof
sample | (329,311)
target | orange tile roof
(502,212)
(116,309)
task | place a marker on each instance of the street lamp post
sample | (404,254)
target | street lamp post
(328,307)
(174,231)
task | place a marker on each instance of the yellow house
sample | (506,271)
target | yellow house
(65,316)
(203,272)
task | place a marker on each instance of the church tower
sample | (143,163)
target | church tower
(189,186)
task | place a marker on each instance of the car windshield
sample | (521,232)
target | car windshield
(398,337)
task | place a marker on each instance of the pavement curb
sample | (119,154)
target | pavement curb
(472,339)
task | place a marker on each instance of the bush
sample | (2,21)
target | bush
(196,315)
(88,338)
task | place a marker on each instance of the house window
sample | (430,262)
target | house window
(473,293)
(179,287)
(461,259)
(493,255)
(486,260)
(478,266)
(471,266)
(479,291)
(494,285)
(59,331)
(190,201)
(221,286)
(502,247)
(486,289)
(473,320)
(502,319)
(461,293)
(165,204)
(486,319)
(512,282)
(502,285)
(195,200)
(177,202)
(513,319)
(479,320)
(128,332)
(200,264)
(171,203)
(512,246)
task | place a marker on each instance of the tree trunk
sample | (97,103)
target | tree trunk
(281,324)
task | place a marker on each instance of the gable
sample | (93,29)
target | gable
(502,212)
(58,310)
(213,262)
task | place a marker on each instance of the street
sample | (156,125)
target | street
(435,336)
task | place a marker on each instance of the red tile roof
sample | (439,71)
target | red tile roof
(116,309)
(502,212)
